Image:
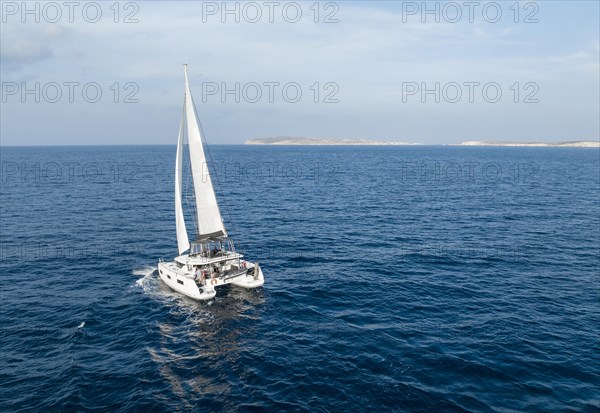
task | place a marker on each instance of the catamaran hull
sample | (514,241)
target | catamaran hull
(181,281)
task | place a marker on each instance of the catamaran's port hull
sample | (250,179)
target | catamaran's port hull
(182,281)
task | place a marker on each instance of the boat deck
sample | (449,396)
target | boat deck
(199,259)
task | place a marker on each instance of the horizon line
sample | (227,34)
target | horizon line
(337,145)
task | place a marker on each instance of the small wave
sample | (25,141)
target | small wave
(151,285)
(145,271)
(146,276)
(146,279)
(146,282)
(81,325)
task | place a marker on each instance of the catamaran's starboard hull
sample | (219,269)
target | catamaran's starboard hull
(180,280)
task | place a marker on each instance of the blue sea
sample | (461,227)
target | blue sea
(398,279)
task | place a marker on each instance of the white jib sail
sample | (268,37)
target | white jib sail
(207,210)
(183,242)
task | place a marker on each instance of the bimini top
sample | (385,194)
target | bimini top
(212,237)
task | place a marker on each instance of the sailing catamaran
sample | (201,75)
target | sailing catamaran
(211,259)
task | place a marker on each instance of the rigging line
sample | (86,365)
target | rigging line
(224,203)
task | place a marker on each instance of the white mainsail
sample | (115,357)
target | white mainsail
(183,243)
(208,215)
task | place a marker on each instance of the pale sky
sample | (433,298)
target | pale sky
(370,63)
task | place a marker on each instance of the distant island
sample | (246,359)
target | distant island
(575,144)
(320,141)
(285,140)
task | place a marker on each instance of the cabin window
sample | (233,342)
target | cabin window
(179,265)
(168,276)
(180,282)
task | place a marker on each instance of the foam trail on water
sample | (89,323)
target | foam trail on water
(145,275)
(148,282)
(144,272)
